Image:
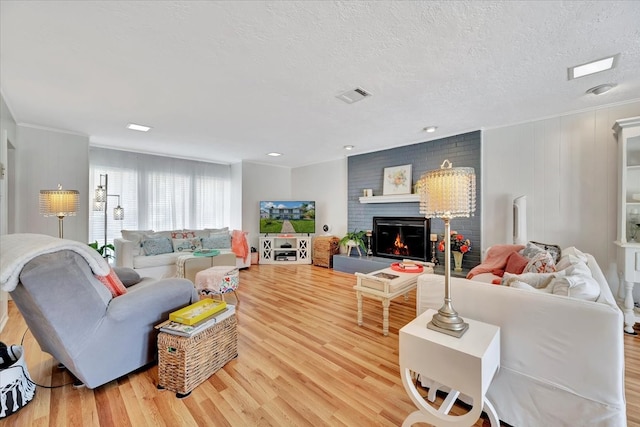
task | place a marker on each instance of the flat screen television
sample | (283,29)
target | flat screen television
(287,217)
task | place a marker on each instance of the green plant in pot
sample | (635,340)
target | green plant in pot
(103,250)
(353,238)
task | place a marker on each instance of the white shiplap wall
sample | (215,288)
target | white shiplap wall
(566,166)
(44,159)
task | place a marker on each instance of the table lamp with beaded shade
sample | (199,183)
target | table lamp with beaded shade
(59,203)
(448,193)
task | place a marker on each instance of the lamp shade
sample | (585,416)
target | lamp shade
(118,213)
(59,202)
(448,192)
(98,206)
(101,193)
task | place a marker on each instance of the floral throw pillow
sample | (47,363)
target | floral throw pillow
(554,250)
(531,250)
(182,234)
(541,262)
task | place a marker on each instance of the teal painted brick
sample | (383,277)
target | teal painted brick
(367,170)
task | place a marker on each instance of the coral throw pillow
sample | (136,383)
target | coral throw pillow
(113,283)
(516,263)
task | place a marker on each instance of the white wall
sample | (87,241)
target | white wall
(44,159)
(261,182)
(326,183)
(566,166)
(7,137)
(236,197)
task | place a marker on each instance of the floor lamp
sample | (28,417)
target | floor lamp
(448,193)
(59,203)
(101,200)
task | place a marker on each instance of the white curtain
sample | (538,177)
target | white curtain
(158,193)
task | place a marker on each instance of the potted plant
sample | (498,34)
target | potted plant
(353,238)
(103,250)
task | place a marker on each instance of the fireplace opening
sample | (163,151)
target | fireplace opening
(401,238)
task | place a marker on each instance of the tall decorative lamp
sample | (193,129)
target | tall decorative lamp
(448,193)
(59,203)
(100,202)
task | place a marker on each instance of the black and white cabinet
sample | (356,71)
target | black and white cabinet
(285,250)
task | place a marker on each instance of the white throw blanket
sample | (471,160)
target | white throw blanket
(18,249)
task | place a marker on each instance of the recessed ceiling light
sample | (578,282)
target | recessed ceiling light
(430,129)
(348,147)
(140,128)
(593,67)
(274,154)
(600,89)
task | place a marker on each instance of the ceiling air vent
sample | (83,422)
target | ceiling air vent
(354,95)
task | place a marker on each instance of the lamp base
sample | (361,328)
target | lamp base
(455,329)
(61,226)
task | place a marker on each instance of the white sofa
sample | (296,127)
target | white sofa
(562,358)
(129,252)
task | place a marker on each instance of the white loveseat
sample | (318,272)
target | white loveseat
(130,250)
(562,358)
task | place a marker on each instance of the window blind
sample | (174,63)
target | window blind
(158,193)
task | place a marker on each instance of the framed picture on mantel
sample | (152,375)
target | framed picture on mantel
(397,180)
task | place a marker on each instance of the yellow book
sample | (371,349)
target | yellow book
(194,313)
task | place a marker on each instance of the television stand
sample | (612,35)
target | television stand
(285,250)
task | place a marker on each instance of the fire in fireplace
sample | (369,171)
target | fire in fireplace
(401,238)
(399,247)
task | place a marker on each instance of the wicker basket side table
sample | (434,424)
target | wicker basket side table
(324,247)
(186,362)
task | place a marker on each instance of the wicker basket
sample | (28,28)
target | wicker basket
(186,362)
(324,247)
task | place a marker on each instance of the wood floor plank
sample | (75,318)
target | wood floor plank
(280,412)
(302,360)
(133,403)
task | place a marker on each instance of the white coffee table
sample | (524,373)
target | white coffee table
(375,285)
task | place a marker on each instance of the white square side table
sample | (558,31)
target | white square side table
(466,365)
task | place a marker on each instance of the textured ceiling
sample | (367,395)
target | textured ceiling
(231,81)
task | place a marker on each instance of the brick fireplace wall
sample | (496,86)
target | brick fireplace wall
(366,171)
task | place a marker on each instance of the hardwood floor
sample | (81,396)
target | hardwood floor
(302,361)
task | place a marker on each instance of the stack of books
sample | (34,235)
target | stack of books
(410,266)
(197,317)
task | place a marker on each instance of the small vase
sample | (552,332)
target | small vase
(457,260)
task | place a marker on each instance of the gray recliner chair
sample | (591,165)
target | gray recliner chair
(74,318)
